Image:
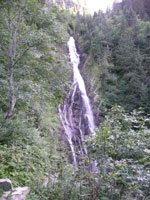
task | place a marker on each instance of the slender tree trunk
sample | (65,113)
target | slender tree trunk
(12,93)
(12,56)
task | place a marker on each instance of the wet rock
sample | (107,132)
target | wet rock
(5,184)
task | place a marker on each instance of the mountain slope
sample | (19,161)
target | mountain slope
(73,5)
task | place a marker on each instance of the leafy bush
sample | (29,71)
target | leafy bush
(121,149)
(24,153)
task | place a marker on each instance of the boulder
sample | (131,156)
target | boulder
(19,193)
(5,184)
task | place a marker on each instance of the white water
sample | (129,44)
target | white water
(75,61)
(75,124)
(68,133)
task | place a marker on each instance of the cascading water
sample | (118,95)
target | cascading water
(76,115)
(74,57)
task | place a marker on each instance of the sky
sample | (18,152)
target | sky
(96,5)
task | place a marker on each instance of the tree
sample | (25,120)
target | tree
(17,38)
(128,67)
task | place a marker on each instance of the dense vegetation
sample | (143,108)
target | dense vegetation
(35,77)
(118,43)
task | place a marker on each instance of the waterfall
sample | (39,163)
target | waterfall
(75,61)
(76,115)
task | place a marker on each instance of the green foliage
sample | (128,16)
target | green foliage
(27,145)
(42,76)
(118,42)
(121,149)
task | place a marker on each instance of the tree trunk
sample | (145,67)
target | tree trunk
(12,93)
(12,56)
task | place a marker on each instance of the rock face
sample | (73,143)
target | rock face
(73,5)
(5,184)
(18,193)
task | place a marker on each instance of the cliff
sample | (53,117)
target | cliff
(73,5)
